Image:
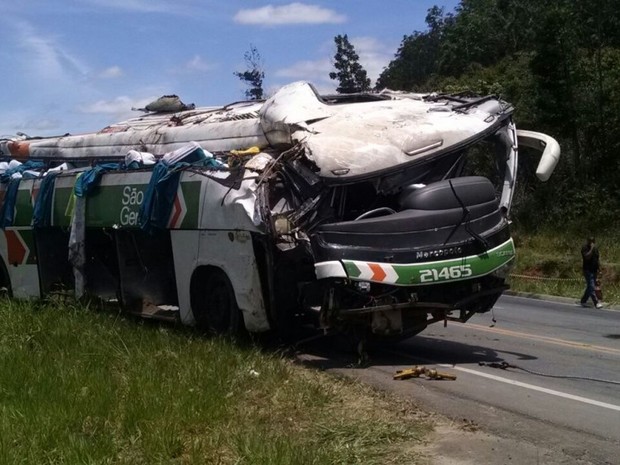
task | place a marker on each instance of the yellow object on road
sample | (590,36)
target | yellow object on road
(418,371)
(409,373)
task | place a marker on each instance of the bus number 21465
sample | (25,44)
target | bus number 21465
(445,273)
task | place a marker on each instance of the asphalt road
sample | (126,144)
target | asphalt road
(557,401)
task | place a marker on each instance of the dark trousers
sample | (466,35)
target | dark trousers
(590,283)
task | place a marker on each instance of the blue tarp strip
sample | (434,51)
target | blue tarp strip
(159,196)
(7,211)
(90,178)
(29,165)
(42,215)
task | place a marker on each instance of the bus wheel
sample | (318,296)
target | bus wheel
(5,282)
(216,309)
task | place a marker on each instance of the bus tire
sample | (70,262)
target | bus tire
(214,304)
(5,281)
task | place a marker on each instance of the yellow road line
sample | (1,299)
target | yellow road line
(551,340)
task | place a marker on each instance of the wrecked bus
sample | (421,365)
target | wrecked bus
(369,211)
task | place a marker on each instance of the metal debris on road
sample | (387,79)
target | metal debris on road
(418,371)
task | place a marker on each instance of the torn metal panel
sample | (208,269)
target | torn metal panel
(361,139)
(228,199)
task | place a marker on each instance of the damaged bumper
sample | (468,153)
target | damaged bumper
(420,274)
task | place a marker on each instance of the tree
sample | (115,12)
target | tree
(254,75)
(350,74)
(416,59)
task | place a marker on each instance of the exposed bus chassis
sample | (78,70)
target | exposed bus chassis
(386,310)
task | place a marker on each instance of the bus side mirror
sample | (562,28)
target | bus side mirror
(543,143)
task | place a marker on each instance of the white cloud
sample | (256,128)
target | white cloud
(169,7)
(23,121)
(198,64)
(42,124)
(374,55)
(111,72)
(314,71)
(44,56)
(140,6)
(306,69)
(120,106)
(293,13)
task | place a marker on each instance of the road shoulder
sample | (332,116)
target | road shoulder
(482,435)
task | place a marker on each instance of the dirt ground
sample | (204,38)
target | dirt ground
(455,444)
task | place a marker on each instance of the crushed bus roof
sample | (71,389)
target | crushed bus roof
(345,137)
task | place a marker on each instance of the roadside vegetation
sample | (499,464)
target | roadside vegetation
(549,262)
(80,385)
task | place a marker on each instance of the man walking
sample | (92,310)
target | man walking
(589,253)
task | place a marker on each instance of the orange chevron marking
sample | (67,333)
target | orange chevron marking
(176,213)
(378,273)
(16,254)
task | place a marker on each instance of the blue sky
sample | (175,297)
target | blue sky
(77,65)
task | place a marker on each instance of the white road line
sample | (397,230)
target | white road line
(533,387)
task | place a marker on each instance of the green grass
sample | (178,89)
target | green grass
(550,263)
(88,386)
